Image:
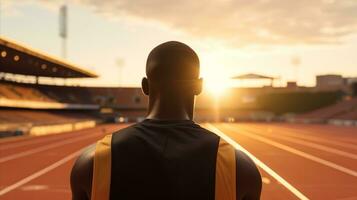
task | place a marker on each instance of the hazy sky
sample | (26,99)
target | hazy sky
(113,37)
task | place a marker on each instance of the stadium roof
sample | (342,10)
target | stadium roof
(19,59)
(252,76)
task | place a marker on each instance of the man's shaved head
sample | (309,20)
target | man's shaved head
(172,81)
(172,61)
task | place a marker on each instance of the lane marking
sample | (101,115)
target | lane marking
(41,172)
(36,141)
(34,187)
(43,148)
(59,136)
(298,152)
(310,130)
(306,143)
(47,138)
(263,166)
(308,136)
(14,139)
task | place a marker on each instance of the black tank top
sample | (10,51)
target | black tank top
(163,160)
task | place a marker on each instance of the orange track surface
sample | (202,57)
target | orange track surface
(38,167)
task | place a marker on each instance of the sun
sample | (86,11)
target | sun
(216,80)
(216,86)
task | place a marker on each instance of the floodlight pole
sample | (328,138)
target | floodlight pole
(64,47)
(0,16)
(63,29)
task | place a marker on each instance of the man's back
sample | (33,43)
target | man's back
(167,159)
(158,159)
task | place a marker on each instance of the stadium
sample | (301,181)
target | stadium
(303,139)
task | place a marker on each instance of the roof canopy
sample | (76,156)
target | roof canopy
(18,59)
(252,76)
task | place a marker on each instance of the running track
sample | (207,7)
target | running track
(296,161)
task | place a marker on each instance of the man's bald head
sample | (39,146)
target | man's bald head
(172,61)
(172,81)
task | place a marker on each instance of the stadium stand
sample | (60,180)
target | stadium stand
(17,92)
(343,112)
(17,58)
(72,95)
(351,115)
(41,109)
(37,117)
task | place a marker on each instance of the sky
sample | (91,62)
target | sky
(289,39)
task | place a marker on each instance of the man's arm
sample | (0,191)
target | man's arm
(249,181)
(81,175)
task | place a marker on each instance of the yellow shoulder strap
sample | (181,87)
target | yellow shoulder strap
(225,172)
(102,169)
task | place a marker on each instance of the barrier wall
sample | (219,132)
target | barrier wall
(60,128)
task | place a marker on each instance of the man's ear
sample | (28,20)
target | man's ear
(145,86)
(198,87)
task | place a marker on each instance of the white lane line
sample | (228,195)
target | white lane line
(35,141)
(348,139)
(263,166)
(299,153)
(41,139)
(40,172)
(43,148)
(308,136)
(309,144)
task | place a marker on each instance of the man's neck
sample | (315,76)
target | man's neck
(164,115)
(168,111)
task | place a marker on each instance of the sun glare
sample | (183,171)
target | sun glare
(216,87)
(215,81)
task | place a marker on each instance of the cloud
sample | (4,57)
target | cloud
(243,22)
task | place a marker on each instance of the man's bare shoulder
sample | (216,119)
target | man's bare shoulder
(249,181)
(81,175)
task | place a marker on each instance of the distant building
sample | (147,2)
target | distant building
(291,85)
(330,82)
(333,82)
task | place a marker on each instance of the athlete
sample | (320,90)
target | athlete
(167,156)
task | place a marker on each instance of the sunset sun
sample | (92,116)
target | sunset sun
(216,86)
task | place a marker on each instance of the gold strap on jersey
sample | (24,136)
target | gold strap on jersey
(102,169)
(225,172)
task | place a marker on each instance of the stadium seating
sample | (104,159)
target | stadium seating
(120,97)
(42,109)
(14,91)
(41,117)
(346,109)
(352,115)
